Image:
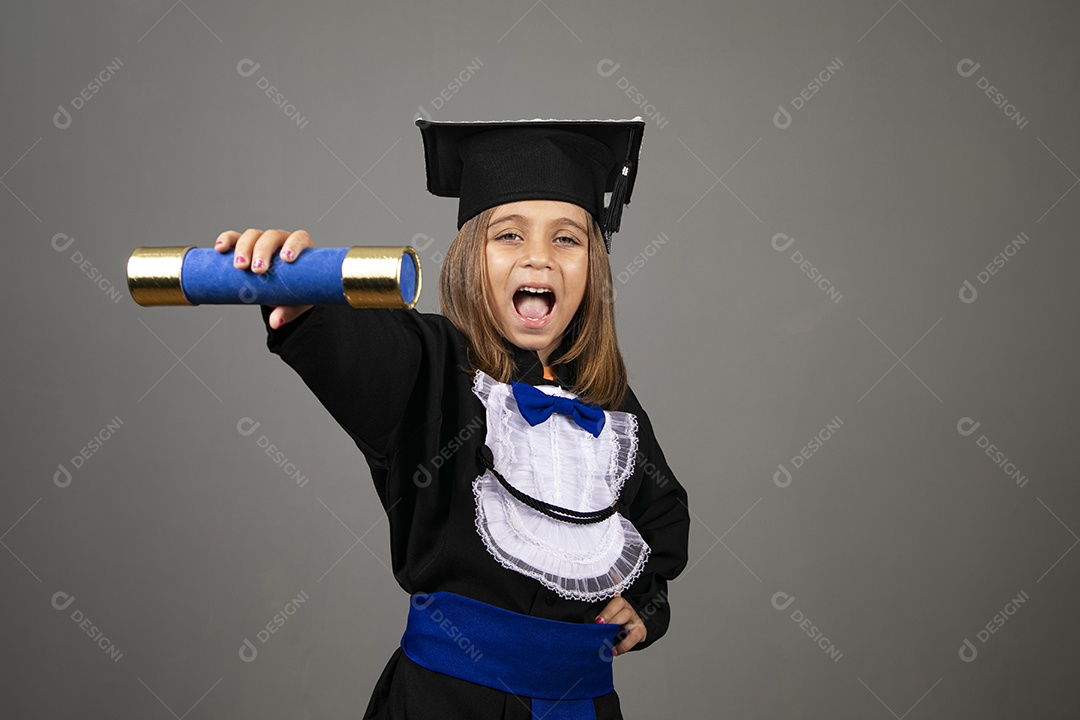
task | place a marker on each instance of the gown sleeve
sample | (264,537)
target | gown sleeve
(361,365)
(659,511)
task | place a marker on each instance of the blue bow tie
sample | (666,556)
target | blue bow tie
(536,406)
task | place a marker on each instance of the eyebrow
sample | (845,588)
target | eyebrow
(558,221)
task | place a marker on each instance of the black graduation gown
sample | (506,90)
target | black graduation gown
(397,382)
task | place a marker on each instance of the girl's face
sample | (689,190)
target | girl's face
(537,256)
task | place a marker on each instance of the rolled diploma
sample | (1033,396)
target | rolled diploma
(358,276)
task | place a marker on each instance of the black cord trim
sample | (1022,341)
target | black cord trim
(577,517)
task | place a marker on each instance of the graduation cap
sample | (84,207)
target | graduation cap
(491,163)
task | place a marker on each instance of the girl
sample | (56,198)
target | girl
(533,518)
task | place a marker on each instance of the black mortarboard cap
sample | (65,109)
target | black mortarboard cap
(491,163)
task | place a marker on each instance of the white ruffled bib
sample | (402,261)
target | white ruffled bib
(560,463)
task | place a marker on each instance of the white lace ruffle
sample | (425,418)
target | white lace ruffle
(563,464)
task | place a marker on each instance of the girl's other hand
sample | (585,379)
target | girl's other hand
(255,249)
(620,612)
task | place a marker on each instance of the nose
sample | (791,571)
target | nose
(537,254)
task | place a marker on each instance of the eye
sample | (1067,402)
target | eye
(567,240)
(508,236)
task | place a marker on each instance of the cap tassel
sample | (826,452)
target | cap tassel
(613,212)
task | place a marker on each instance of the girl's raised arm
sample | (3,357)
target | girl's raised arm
(362,365)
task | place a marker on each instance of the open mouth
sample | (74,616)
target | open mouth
(534,303)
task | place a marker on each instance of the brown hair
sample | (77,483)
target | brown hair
(598,369)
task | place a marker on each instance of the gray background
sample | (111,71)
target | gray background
(899,179)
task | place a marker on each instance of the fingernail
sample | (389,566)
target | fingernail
(614,652)
(288,254)
(239,259)
(599,621)
(258,263)
(218,242)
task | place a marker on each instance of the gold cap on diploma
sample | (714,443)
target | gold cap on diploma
(153,275)
(371,277)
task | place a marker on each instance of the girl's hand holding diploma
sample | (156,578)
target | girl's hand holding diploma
(255,249)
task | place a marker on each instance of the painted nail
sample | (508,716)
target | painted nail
(599,621)
(288,254)
(239,259)
(218,242)
(258,263)
(614,652)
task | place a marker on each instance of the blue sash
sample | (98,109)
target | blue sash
(560,666)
